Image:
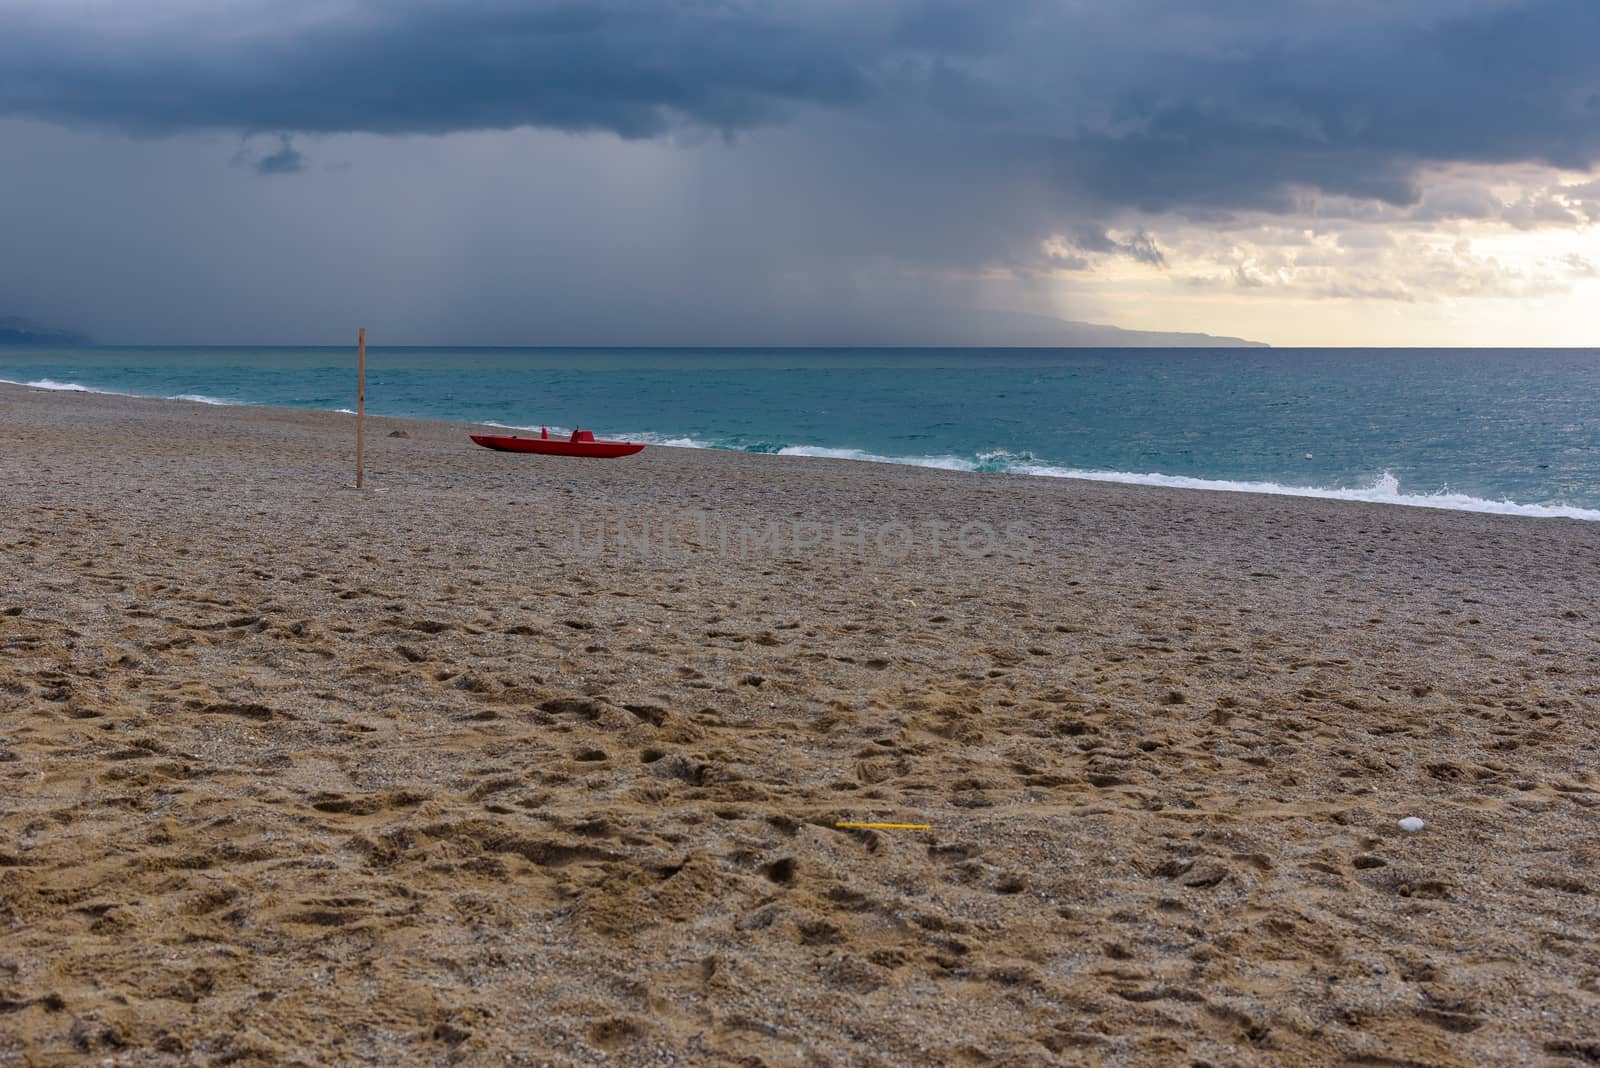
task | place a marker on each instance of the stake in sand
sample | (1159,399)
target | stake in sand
(361,401)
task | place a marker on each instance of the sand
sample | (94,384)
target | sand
(295,774)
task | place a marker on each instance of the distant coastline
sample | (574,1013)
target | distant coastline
(1006,329)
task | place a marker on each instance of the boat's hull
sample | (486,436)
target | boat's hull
(557,446)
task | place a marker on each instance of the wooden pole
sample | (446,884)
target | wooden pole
(361,402)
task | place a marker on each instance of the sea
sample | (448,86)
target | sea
(1508,431)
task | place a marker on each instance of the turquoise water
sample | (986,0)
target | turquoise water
(1487,430)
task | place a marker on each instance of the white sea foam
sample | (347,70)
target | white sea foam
(69,387)
(78,387)
(1383,490)
(668,440)
(947,463)
(554,430)
(65,387)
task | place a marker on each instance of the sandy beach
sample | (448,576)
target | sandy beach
(521,760)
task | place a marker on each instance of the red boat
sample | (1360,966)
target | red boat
(581,443)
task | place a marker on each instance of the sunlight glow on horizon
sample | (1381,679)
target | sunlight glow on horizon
(1529,277)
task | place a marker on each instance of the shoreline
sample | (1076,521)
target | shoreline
(294,773)
(1384,491)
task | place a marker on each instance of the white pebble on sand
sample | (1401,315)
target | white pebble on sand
(1412,824)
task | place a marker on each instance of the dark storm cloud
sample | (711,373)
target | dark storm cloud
(1353,109)
(631,68)
(1202,106)
(286,160)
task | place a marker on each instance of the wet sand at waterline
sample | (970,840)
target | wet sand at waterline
(440,772)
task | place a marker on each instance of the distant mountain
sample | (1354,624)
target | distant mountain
(1022,329)
(953,326)
(18,331)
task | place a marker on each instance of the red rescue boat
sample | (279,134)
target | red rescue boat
(581,443)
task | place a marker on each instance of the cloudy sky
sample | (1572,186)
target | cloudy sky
(800,171)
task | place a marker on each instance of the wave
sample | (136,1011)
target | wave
(945,463)
(1385,489)
(555,431)
(193,398)
(66,387)
(670,441)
